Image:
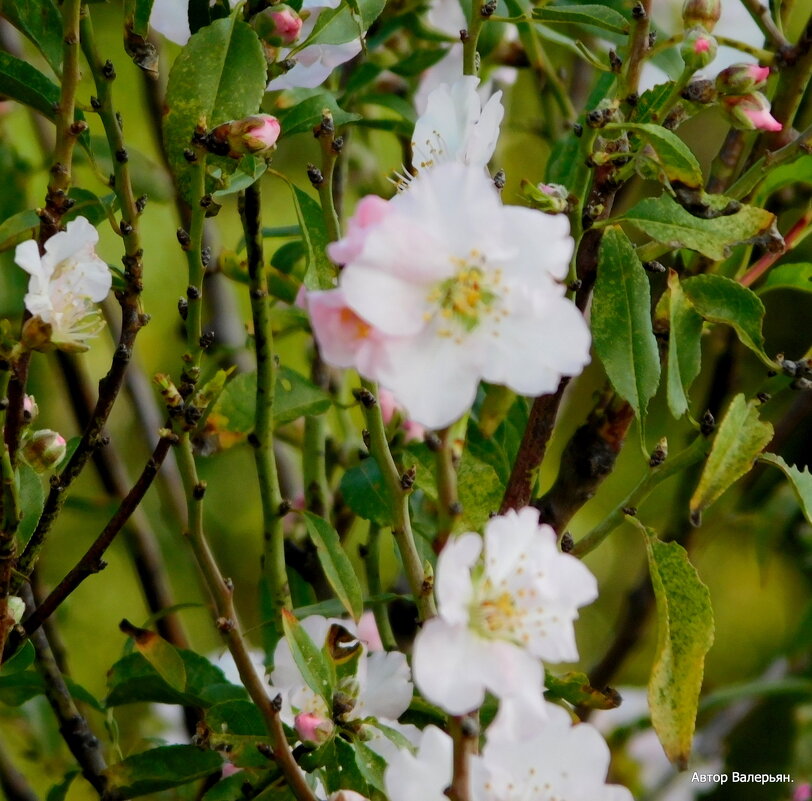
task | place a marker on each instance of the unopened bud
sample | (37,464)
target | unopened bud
(313,729)
(550,198)
(278,25)
(256,134)
(44,449)
(750,112)
(15,608)
(30,409)
(698,48)
(701,12)
(739,79)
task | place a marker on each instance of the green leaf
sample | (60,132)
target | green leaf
(162,655)
(90,206)
(22,660)
(621,323)
(797,172)
(363,489)
(340,25)
(41,22)
(674,158)
(249,170)
(664,220)
(684,635)
(60,790)
(308,658)
(305,116)
(741,437)
(684,346)
(600,16)
(219,76)
(371,765)
(575,689)
(32,499)
(789,276)
(801,481)
(17,688)
(722,300)
(236,727)
(480,491)
(17,228)
(161,769)
(336,564)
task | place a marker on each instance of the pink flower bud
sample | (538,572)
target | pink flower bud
(751,112)
(278,25)
(44,449)
(698,48)
(30,409)
(313,729)
(701,12)
(368,213)
(256,135)
(739,79)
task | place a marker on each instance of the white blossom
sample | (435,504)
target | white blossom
(505,601)
(422,776)
(170,18)
(65,284)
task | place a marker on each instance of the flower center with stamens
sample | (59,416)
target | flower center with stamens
(468,294)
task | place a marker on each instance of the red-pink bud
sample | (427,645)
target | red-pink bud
(44,449)
(739,79)
(312,728)
(256,135)
(278,25)
(698,48)
(751,112)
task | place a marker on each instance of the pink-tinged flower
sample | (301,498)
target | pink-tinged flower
(425,775)
(505,601)
(64,287)
(456,288)
(751,112)
(559,760)
(739,79)
(256,135)
(278,25)
(390,406)
(44,449)
(368,213)
(368,632)
(313,729)
(456,127)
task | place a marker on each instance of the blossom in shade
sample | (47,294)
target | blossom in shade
(422,776)
(65,284)
(456,126)
(751,112)
(505,601)
(450,287)
(559,761)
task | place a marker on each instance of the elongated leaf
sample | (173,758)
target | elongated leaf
(364,491)
(666,221)
(305,116)
(341,25)
(32,499)
(17,228)
(161,769)
(575,689)
(741,437)
(41,22)
(336,564)
(789,276)
(162,655)
(600,16)
(684,346)
(621,322)
(722,300)
(308,657)
(801,481)
(685,634)
(219,76)
(371,765)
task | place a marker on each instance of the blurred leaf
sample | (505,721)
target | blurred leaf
(307,114)
(588,14)
(722,300)
(41,22)
(788,276)
(18,228)
(336,564)
(364,491)
(741,437)
(664,220)
(60,790)
(218,76)
(17,688)
(162,655)
(801,481)
(308,658)
(792,174)
(418,61)
(32,499)
(90,206)
(621,323)
(161,769)
(287,256)
(340,25)
(370,764)
(22,660)
(684,346)
(575,689)
(402,107)
(685,632)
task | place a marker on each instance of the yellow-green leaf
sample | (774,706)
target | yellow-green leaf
(162,655)
(684,347)
(801,481)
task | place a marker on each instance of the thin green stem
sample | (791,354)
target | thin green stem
(759,53)
(471,38)
(447,497)
(193,247)
(372,562)
(398,491)
(222,595)
(762,17)
(250,206)
(696,451)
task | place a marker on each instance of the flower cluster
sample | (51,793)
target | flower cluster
(444,286)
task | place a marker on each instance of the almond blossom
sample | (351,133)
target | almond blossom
(505,601)
(451,287)
(66,283)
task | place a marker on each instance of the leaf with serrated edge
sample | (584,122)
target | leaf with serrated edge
(336,564)
(684,346)
(621,323)
(801,481)
(740,438)
(685,634)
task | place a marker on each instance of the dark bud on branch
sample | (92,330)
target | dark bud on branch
(707,425)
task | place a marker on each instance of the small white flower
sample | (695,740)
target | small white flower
(423,776)
(456,127)
(65,284)
(499,612)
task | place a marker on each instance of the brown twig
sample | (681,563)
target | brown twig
(638,45)
(761,14)
(12,782)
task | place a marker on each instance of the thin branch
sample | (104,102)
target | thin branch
(638,46)
(12,782)
(372,562)
(448,501)
(799,231)
(762,17)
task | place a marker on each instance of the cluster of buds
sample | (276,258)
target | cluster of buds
(746,107)
(255,135)
(698,46)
